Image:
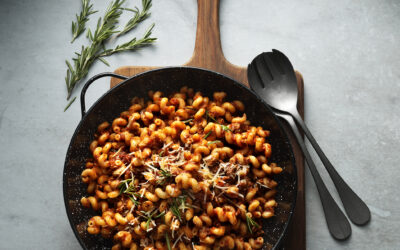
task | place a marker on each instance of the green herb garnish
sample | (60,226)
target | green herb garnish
(160,215)
(165,175)
(207,135)
(149,217)
(136,202)
(179,204)
(127,187)
(168,241)
(212,142)
(175,210)
(251,223)
(78,27)
(211,117)
(225,128)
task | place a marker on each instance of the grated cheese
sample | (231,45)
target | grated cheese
(178,239)
(130,164)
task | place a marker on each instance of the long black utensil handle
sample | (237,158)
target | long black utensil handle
(356,208)
(338,225)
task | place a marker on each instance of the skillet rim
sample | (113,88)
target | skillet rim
(237,84)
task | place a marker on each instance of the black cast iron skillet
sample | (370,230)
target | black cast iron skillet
(169,80)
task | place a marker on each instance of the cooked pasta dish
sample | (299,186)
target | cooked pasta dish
(181,172)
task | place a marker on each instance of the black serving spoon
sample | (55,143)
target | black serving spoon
(338,225)
(271,75)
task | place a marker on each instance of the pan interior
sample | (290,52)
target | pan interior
(169,80)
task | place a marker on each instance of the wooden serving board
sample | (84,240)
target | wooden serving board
(208,54)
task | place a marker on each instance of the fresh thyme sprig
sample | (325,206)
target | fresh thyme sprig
(78,27)
(138,17)
(106,27)
(251,223)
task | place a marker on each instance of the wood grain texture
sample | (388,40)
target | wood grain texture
(208,54)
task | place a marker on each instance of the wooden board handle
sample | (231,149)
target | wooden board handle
(207,48)
(208,52)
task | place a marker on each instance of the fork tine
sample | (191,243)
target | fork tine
(253,77)
(286,65)
(262,70)
(269,62)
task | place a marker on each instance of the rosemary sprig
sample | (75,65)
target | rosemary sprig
(136,202)
(165,175)
(211,117)
(132,44)
(138,17)
(69,104)
(251,223)
(82,62)
(179,205)
(168,241)
(149,216)
(78,27)
(175,210)
(225,128)
(106,27)
(207,135)
(160,215)
(127,187)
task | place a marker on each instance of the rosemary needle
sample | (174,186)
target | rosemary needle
(78,27)
(138,17)
(69,104)
(168,241)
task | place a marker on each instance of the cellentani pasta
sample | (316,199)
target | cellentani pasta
(184,172)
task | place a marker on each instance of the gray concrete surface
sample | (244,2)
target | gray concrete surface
(347,50)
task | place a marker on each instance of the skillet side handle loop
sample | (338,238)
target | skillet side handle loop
(90,81)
